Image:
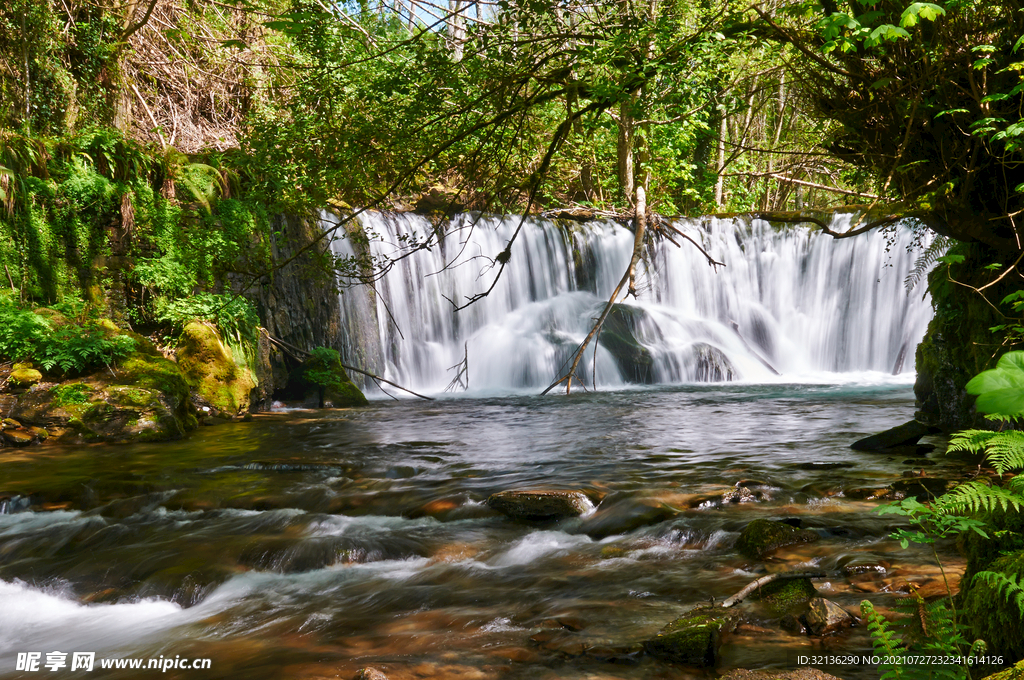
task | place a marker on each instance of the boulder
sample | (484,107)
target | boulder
(786,596)
(762,537)
(322,382)
(215,378)
(712,365)
(9,424)
(24,377)
(145,400)
(544,504)
(825,617)
(906,434)
(18,437)
(618,336)
(693,638)
(624,513)
(369,674)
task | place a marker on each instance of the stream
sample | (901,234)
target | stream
(310,544)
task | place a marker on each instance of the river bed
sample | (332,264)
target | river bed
(309,544)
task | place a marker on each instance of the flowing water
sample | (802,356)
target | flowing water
(308,544)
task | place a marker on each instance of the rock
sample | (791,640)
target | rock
(693,638)
(18,437)
(145,400)
(540,504)
(619,337)
(762,537)
(712,365)
(922,488)
(39,432)
(826,617)
(213,376)
(622,513)
(1013,673)
(322,382)
(786,596)
(24,377)
(10,424)
(369,674)
(906,434)
(992,616)
(806,673)
(793,624)
(740,495)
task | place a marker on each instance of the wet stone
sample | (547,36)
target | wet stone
(739,495)
(906,434)
(540,504)
(369,674)
(762,537)
(826,617)
(793,624)
(693,638)
(18,437)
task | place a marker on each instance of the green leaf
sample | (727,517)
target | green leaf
(950,259)
(1001,390)
(918,11)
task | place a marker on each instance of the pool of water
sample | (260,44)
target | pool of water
(310,544)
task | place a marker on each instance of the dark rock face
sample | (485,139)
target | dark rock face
(825,617)
(298,305)
(762,537)
(906,434)
(693,638)
(537,505)
(618,336)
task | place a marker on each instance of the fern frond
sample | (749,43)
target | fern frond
(884,641)
(936,249)
(1005,451)
(973,441)
(1010,586)
(976,497)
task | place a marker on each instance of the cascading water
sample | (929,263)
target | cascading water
(789,301)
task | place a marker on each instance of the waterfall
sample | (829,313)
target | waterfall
(791,301)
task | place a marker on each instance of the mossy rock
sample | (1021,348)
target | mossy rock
(693,638)
(147,399)
(1012,673)
(212,374)
(762,537)
(24,377)
(321,381)
(786,596)
(992,616)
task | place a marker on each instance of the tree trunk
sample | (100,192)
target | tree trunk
(625,151)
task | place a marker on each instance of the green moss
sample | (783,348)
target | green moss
(693,638)
(74,393)
(1013,673)
(992,616)
(786,596)
(24,377)
(762,537)
(211,371)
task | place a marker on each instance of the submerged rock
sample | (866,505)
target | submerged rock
(906,434)
(762,537)
(618,336)
(624,513)
(693,638)
(18,437)
(712,364)
(541,504)
(825,617)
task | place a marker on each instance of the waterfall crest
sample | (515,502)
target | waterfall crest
(790,300)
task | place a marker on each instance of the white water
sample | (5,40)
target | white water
(815,309)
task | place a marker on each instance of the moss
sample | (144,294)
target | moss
(74,393)
(154,373)
(693,638)
(24,377)
(211,371)
(992,616)
(786,596)
(1013,673)
(345,395)
(762,537)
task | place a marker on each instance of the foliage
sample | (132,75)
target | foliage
(234,317)
(1001,390)
(322,369)
(72,347)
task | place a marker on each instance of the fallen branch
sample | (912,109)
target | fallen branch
(765,580)
(790,218)
(376,378)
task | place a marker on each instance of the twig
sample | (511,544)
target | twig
(765,580)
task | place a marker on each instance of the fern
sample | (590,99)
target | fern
(976,496)
(925,260)
(884,641)
(1010,586)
